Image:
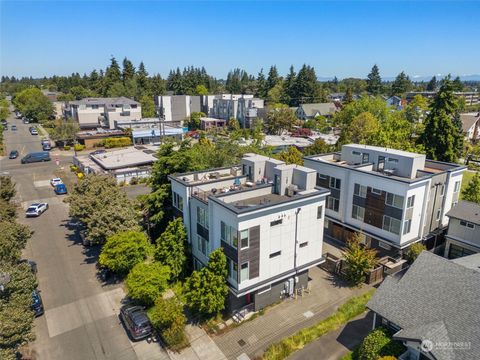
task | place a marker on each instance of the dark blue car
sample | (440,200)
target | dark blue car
(37,304)
(60,189)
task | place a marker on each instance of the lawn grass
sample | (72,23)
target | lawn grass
(467,176)
(349,310)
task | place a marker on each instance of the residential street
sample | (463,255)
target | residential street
(80,320)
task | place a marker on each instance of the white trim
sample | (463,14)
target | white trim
(266,290)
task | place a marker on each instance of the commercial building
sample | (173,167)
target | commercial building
(151,130)
(463,237)
(392,198)
(103,112)
(176,108)
(268,218)
(470,97)
(96,137)
(123,165)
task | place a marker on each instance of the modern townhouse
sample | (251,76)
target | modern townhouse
(176,108)
(104,112)
(463,237)
(266,215)
(244,108)
(392,198)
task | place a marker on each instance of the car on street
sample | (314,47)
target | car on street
(56,181)
(37,303)
(36,209)
(13,154)
(34,131)
(31,263)
(36,157)
(4,122)
(45,141)
(5,127)
(25,120)
(14,127)
(136,321)
(60,189)
(46,147)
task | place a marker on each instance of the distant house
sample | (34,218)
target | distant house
(470,97)
(463,237)
(471,126)
(394,101)
(207,123)
(433,309)
(311,111)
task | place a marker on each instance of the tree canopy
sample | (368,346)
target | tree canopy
(147,281)
(33,104)
(472,191)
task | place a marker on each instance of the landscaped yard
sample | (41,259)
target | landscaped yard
(467,176)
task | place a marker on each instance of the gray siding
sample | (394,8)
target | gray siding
(252,254)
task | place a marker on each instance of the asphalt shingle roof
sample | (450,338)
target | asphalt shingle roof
(436,300)
(322,108)
(468,120)
(466,210)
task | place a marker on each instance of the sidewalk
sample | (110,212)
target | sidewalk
(250,339)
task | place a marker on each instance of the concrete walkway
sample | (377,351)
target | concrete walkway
(336,344)
(250,339)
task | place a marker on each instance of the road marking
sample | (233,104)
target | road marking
(84,311)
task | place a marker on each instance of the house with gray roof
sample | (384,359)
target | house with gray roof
(463,236)
(311,111)
(433,309)
(471,126)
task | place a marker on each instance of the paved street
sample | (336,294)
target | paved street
(80,320)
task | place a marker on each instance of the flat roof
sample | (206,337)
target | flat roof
(105,101)
(386,150)
(124,158)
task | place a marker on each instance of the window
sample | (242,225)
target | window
(202,217)
(377,191)
(356,153)
(456,251)
(407,226)
(410,201)
(457,186)
(322,176)
(177,201)
(360,190)
(276,222)
(442,190)
(365,158)
(391,225)
(244,239)
(467,224)
(94,106)
(275,254)
(394,200)
(202,244)
(393,160)
(302,245)
(439,212)
(319,212)
(228,234)
(232,269)
(332,203)
(335,183)
(326,224)
(245,271)
(358,212)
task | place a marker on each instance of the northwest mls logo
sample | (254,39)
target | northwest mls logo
(426,346)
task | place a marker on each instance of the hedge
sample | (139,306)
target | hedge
(117,142)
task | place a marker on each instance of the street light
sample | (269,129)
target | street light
(4,280)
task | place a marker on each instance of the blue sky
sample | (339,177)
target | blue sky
(337,37)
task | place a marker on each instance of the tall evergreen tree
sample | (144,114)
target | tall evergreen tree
(261,85)
(401,85)
(306,87)
(348,96)
(113,74)
(128,71)
(457,84)
(142,79)
(273,78)
(374,81)
(442,137)
(289,86)
(432,84)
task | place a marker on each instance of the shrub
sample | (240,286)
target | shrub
(377,344)
(117,142)
(414,251)
(74,168)
(66,147)
(147,281)
(134,181)
(79,147)
(168,318)
(358,260)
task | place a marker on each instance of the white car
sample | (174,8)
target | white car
(36,209)
(56,181)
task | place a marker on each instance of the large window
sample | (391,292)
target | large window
(244,240)
(232,268)
(177,201)
(467,224)
(457,186)
(202,217)
(456,251)
(319,212)
(358,212)
(228,234)
(410,201)
(245,271)
(391,225)
(360,190)
(394,200)
(335,183)
(202,244)
(332,203)
(407,225)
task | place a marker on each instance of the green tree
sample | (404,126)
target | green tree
(233,124)
(401,85)
(457,84)
(416,109)
(13,240)
(206,290)
(442,137)
(122,251)
(280,118)
(16,315)
(147,281)
(273,78)
(79,92)
(358,260)
(65,131)
(148,106)
(194,121)
(291,156)
(7,188)
(8,211)
(472,191)
(4,109)
(348,98)
(379,343)
(432,84)
(374,81)
(142,79)
(413,251)
(319,146)
(261,85)
(363,128)
(201,90)
(65,97)
(128,72)
(167,316)
(305,88)
(289,87)
(33,104)
(170,249)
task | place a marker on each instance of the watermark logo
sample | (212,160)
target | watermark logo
(428,345)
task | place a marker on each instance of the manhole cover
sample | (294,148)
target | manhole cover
(241,342)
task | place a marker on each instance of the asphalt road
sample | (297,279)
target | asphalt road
(80,320)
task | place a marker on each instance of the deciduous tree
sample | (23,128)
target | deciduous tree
(147,281)
(170,249)
(291,156)
(472,191)
(33,104)
(148,106)
(280,118)
(7,188)
(358,260)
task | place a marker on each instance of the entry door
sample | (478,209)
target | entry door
(381,163)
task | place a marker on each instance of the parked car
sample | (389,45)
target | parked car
(36,209)
(60,189)
(5,127)
(25,120)
(34,131)
(4,122)
(31,263)
(36,157)
(14,127)
(56,181)
(46,147)
(13,154)
(136,321)
(37,305)
(45,141)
